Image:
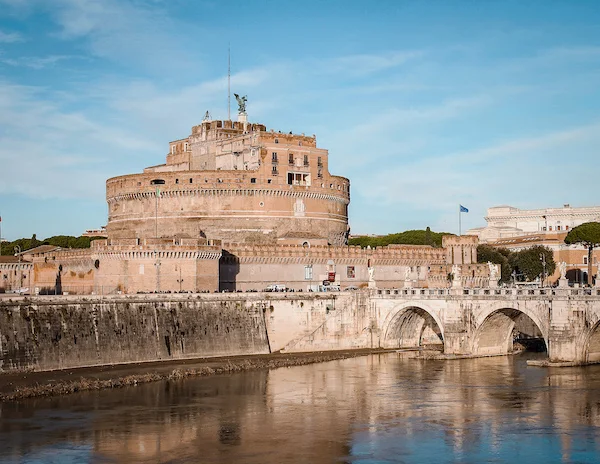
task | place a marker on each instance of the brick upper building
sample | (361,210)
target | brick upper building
(234,181)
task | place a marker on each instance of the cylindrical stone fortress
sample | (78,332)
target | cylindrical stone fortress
(236,182)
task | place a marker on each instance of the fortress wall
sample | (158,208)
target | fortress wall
(56,333)
(234,215)
(253,267)
(179,181)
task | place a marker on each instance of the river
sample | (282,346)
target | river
(372,409)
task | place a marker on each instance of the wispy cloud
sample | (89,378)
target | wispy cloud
(35,62)
(10,37)
(365,64)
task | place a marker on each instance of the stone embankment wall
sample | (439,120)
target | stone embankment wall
(66,332)
(45,333)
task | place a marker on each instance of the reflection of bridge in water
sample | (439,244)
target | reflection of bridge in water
(471,322)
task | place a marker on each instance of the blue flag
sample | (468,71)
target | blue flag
(463,209)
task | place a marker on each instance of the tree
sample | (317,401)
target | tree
(534,262)
(588,235)
(409,237)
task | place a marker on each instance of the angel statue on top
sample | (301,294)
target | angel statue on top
(241,103)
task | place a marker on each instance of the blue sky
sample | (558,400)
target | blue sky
(423,105)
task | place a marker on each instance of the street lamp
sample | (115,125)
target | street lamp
(543,260)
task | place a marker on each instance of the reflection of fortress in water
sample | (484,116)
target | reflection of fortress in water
(328,412)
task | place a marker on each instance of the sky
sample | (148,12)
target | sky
(423,105)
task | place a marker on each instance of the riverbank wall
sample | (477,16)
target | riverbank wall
(46,333)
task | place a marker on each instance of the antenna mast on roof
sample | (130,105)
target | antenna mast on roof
(228,82)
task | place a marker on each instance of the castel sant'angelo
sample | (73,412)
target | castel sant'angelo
(238,207)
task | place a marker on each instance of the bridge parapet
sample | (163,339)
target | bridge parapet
(493,293)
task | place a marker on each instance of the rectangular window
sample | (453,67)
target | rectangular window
(305,160)
(253,180)
(558,227)
(320,173)
(308,272)
(319,162)
(298,178)
(350,273)
(274,157)
(274,171)
(585,260)
(291,158)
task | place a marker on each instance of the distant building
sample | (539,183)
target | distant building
(508,221)
(96,232)
(516,229)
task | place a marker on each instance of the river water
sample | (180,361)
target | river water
(372,409)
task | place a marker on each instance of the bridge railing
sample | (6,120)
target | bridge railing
(492,292)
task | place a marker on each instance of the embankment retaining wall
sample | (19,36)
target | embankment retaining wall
(45,333)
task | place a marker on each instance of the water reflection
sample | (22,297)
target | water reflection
(371,409)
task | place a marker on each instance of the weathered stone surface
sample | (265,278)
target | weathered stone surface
(68,332)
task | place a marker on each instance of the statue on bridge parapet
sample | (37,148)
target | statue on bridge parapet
(371,271)
(494,274)
(407,281)
(563,282)
(456,277)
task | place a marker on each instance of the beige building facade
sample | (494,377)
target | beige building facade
(508,221)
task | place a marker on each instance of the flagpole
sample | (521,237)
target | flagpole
(459,221)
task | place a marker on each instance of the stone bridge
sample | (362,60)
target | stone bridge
(473,322)
(58,332)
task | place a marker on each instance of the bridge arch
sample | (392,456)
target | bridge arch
(493,334)
(589,351)
(412,326)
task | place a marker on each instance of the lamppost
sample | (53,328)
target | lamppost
(180,280)
(543,260)
(18,253)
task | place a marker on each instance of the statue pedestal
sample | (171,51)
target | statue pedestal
(408,284)
(457,283)
(563,283)
(372,284)
(597,284)
(493,283)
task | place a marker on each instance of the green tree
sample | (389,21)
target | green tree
(534,262)
(409,237)
(588,235)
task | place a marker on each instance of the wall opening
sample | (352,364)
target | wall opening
(508,331)
(593,345)
(413,327)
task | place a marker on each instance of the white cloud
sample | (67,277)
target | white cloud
(365,64)
(47,151)
(35,62)
(10,37)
